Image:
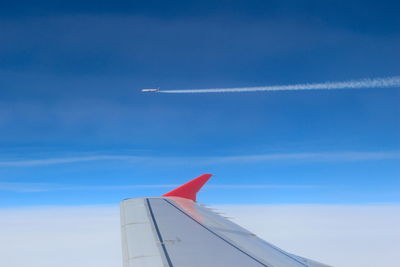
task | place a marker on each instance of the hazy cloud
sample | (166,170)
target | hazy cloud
(46,187)
(313,157)
(56,161)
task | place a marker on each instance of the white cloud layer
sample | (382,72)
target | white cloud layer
(364,236)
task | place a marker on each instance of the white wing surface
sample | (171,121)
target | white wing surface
(175,231)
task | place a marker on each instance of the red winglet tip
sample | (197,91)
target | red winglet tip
(190,189)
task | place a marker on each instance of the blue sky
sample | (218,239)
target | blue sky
(76,130)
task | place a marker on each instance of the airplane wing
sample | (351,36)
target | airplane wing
(174,231)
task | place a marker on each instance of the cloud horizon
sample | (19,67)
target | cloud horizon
(337,235)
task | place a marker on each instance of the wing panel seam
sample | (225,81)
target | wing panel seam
(159,234)
(217,235)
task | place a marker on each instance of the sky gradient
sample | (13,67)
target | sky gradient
(75,129)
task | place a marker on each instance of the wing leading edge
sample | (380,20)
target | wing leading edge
(174,231)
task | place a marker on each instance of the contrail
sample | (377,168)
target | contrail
(352,84)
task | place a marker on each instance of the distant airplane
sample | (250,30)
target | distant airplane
(174,231)
(151,90)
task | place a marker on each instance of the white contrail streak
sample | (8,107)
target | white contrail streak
(352,84)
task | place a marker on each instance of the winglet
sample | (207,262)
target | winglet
(190,189)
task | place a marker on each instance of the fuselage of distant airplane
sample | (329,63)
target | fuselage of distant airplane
(151,90)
